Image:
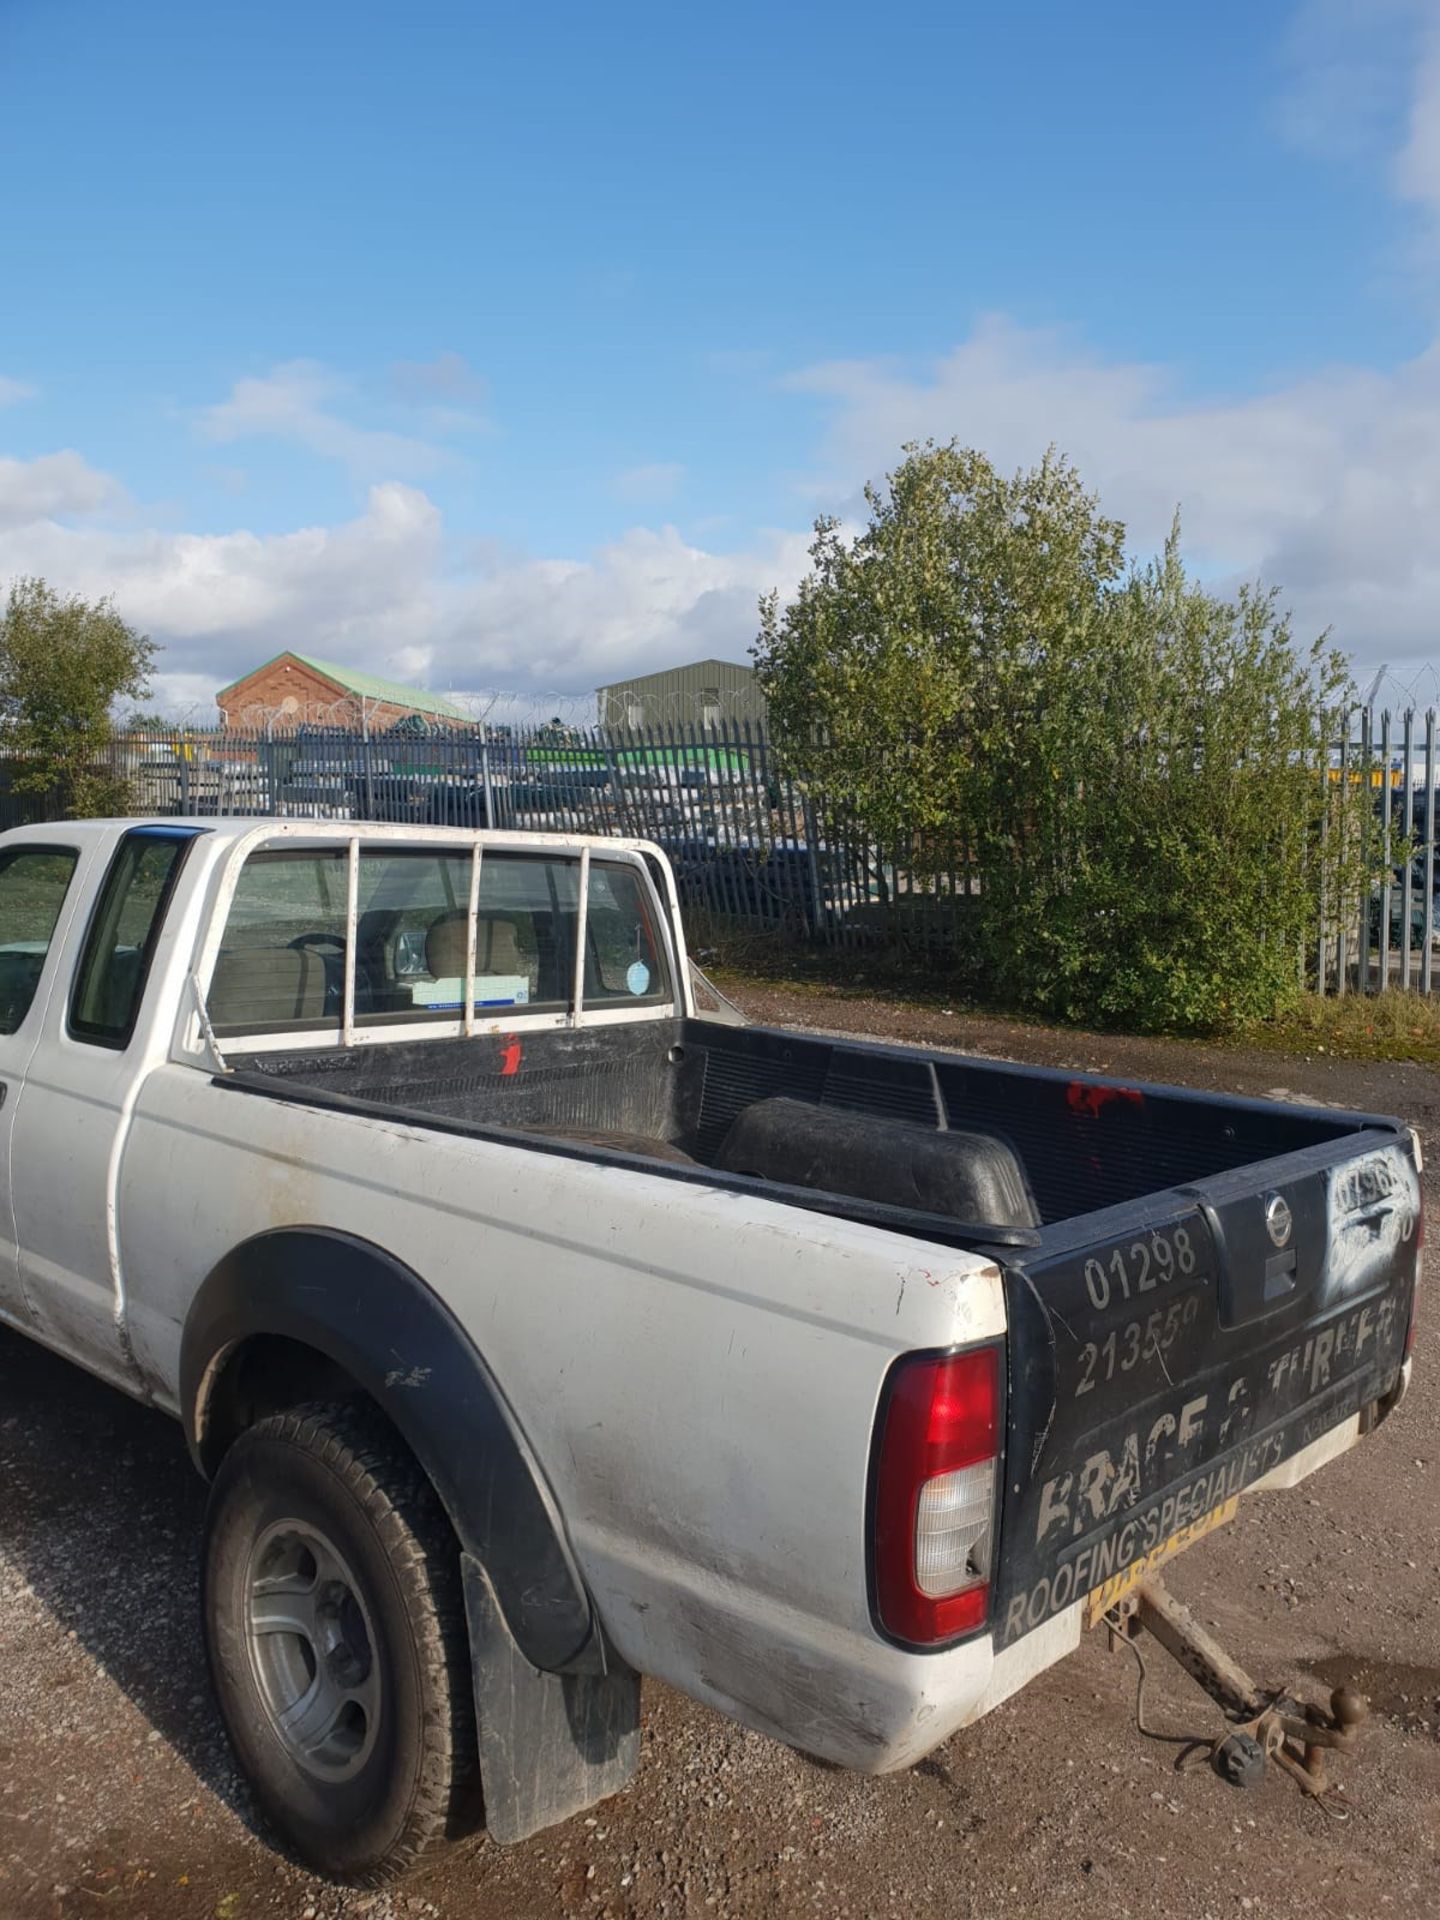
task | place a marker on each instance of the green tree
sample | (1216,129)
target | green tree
(1124,769)
(64,663)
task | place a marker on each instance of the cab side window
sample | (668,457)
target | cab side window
(124,928)
(33,885)
(624,960)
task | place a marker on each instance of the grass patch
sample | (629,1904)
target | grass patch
(1356,1026)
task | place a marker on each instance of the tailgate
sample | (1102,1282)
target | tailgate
(1172,1352)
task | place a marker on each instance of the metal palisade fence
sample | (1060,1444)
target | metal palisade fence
(754,849)
(741,834)
(1384,936)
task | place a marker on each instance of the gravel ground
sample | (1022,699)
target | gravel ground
(117,1794)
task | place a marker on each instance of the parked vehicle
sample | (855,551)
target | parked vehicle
(768,882)
(537,1333)
(1418,915)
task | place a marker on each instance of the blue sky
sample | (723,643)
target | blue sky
(516,348)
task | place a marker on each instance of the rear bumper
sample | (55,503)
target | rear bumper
(846,1697)
(903,1705)
(1020,1662)
(1318,1454)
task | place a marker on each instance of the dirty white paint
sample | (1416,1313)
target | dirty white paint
(1018,1664)
(1309,1459)
(1372,1211)
(1291,1098)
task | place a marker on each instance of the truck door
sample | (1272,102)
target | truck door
(75,1107)
(36,881)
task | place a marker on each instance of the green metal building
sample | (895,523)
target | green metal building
(708,694)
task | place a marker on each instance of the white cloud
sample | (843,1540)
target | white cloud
(647,600)
(1348,66)
(446,394)
(215,598)
(384,593)
(1362,86)
(650,485)
(12,392)
(1328,486)
(1417,167)
(54,485)
(294,403)
(448,378)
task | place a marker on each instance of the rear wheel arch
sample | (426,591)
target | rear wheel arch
(259,1375)
(305,1314)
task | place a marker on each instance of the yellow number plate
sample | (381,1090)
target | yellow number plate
(1099,1602)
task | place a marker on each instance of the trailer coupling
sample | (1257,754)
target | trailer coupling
(1262,1725)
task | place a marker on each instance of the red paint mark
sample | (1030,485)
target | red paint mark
(510,1057)
(1090,1100)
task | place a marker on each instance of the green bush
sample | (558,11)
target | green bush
(1128,769)
(64,662)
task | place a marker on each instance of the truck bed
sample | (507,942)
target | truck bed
(683,1096)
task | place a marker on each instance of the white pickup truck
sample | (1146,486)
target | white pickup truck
(537,1332)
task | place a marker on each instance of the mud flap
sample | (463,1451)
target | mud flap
(551,1744)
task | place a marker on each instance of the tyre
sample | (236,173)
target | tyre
(335,1626)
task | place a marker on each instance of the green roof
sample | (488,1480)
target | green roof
(365,686)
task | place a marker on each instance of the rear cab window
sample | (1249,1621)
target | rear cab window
(34,881)
(284,964)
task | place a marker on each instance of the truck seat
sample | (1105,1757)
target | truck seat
(261,986)
(497,946)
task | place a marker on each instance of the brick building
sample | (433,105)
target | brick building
(294,690)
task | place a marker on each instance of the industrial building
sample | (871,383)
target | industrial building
(707,694)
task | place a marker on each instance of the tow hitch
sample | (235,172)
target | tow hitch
(1262,1725)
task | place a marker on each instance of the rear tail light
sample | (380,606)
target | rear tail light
(1414,1326)
(935,1485)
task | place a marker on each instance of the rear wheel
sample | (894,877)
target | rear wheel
(335,1625)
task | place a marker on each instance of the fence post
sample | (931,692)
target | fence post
(618,799)
(1323,890)
(1425,954)
(1342,905)
(812,861)
(1407,882)
(487,783)
(1386,890)
(1367,849)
